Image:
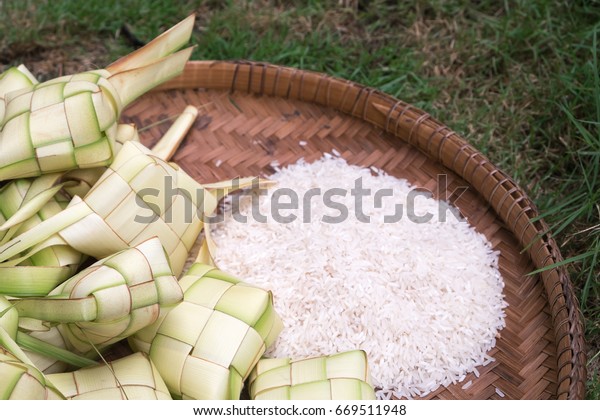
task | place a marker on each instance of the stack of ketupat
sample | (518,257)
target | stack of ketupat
(74,183)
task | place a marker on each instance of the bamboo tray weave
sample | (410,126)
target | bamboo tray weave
(254,113)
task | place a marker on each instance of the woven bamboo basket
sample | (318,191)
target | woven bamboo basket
(254,113)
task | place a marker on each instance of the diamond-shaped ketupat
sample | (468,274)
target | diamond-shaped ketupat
(205,347)
(343,376)
(133,377)
(110,300)
(71,121)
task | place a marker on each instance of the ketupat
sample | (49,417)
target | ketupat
(206,346)
(74,182)
(343,376)
(71,122)
(138,197)
(110,300)
(16,78)
(133,377)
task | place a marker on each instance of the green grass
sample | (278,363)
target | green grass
(519,79)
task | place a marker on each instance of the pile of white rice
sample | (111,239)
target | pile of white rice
(424,300)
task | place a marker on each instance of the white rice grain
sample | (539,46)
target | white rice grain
(488,359)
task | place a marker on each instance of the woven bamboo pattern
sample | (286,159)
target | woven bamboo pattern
(110,300)
(205,347)
(254,113)
(131,378)
(342,376)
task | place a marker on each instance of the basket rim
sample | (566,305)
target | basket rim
(438,142)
